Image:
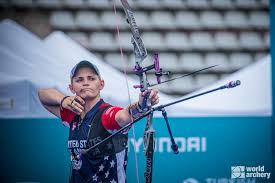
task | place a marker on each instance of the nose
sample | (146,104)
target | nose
(85,83)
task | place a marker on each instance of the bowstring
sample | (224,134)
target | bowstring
(127,84)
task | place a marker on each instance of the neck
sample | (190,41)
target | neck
(89,104)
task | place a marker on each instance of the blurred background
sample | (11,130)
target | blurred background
(44,39)
(188,34)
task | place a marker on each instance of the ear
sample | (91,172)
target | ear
(102,84)
(71,88)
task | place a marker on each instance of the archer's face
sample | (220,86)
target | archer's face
(86,84)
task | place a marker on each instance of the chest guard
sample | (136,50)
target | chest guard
(97,133)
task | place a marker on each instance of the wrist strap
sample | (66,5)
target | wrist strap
(135,110)
(139,108)
(63,101)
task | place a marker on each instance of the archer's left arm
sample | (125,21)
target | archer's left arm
(128,114)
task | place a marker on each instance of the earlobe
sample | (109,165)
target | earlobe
(71,88)
(102,83)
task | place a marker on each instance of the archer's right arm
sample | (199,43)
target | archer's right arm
(51,99)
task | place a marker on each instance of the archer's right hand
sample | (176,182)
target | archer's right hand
(74,104)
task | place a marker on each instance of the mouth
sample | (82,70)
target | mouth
(87,89)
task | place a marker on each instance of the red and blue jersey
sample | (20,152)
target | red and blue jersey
(110,168)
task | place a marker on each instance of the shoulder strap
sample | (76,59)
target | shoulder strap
(95,117)
(114,145)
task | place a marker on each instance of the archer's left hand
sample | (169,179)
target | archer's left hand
(153,96)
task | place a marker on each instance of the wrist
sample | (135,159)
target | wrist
(138,106)
(62,101)
(135,110)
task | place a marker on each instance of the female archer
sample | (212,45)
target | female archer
(89,117)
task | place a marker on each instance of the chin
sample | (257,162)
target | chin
(88,97)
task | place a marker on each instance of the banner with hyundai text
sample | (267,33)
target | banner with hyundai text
(211,150)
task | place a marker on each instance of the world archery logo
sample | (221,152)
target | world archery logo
(249,172)
(237,172)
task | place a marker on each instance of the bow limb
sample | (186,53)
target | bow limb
(140,55)
(128,90)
